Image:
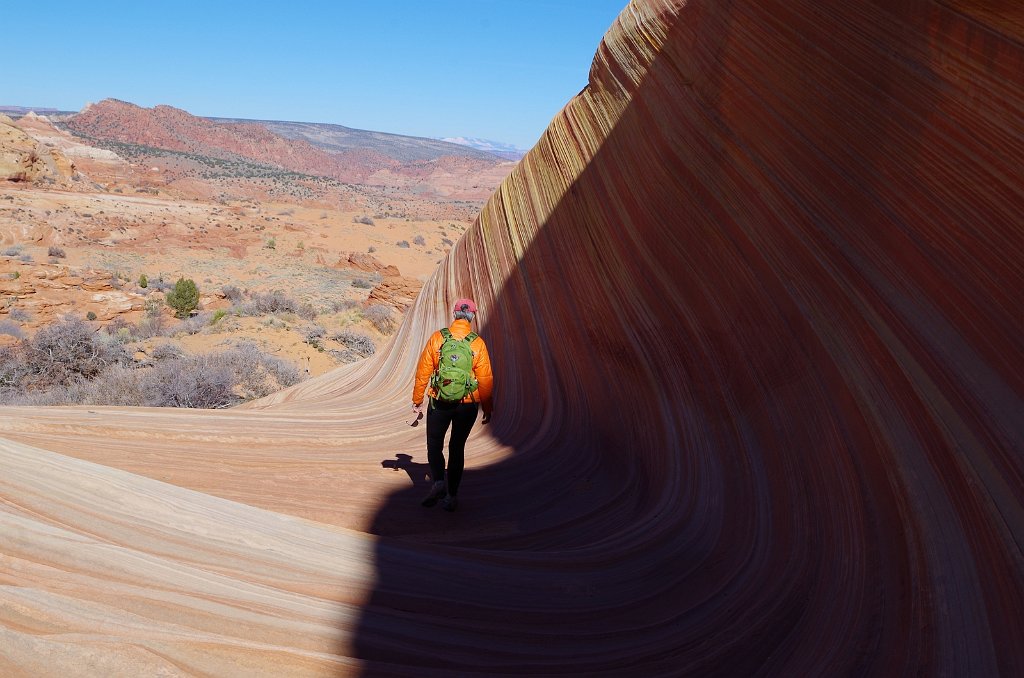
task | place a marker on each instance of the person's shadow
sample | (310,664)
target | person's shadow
(419,474)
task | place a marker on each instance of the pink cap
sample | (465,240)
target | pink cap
(464,305)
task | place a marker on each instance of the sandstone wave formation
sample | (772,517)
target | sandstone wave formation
(754,307)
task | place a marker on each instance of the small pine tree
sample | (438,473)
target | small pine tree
(143,281)
(184,297)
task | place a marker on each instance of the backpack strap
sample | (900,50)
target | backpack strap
(446,334)
(469,339)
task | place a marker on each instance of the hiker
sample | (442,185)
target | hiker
(455,367)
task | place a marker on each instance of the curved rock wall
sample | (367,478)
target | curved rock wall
(753,304)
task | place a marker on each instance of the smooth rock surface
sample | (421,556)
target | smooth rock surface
(753,304)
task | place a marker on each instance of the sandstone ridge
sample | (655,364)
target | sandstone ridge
(753,308)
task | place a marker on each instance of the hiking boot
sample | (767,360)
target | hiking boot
(450,503)
(437,490)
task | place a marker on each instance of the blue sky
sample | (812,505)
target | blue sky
(494,69)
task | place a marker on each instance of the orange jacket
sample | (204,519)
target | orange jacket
(481,366)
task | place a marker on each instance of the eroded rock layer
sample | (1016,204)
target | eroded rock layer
(753,304)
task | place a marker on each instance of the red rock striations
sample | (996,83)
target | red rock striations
(753,307)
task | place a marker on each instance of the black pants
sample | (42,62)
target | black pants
(461,417)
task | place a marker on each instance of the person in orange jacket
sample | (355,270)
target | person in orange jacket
(459,415)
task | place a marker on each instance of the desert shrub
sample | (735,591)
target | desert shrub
(15,275)
(56,395)
(167,351)
(55,251)
(274,322)
(271,244)
(177,380)
(419,240)
(358,342)
(69,351)
(446,241)
(114,327)
(12,251)
(190,381)
(143,281)
(90,316)
(160,285)
(341,305)
(13,371)
(154,307)
(184,298)
(256,373)
(118,385)
(262,303)
(361,284)
(307,311)
(346,356)
(402,243)
(195,324)
(11,329)
(231,293)
(153,326)
(382,317)
(25,258)
(364,219)
(312,334)
(217,316)
(371,249)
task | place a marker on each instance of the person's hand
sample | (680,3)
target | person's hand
(486,419)
(417,414)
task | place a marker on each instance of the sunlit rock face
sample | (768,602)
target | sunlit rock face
(753,304)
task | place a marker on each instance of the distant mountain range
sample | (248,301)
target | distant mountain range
(18,111)
(502,150)
(337,138)
(345,154)
(330,138)
(231,157)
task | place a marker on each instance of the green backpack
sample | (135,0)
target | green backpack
(454,378)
